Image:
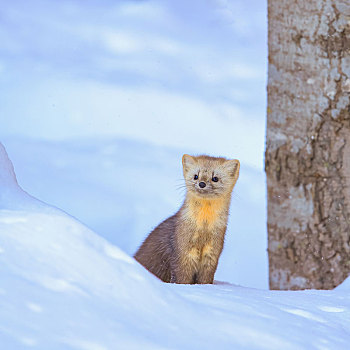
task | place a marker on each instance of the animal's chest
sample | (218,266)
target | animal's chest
(208,223)
(203,229)
(207,216)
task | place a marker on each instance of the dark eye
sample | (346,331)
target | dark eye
(196,177)
(215,179)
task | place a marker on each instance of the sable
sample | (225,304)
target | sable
(185,248)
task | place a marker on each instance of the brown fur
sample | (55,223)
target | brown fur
(185,248)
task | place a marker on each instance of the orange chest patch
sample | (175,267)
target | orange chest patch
(206,211)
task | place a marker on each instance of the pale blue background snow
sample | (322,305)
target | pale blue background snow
(99,100)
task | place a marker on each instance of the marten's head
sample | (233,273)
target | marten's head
(210,177)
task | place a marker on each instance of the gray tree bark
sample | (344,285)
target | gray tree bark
(307,158)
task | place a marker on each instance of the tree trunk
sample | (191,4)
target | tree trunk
(307,158)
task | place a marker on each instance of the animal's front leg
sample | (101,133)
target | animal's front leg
(208,264)
(186,268)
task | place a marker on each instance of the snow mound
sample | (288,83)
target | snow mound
(64,287)
(11,195)
(7,174)
(59,280)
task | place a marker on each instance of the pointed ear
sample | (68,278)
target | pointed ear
(233,165)
(187,162)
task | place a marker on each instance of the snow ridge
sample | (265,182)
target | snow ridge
(64,287)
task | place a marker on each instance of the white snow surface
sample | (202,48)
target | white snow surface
(64,287)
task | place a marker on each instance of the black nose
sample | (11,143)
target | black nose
(202,184)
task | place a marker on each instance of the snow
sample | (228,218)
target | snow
(164,72)
(64,287)
(122,189)
(98,102)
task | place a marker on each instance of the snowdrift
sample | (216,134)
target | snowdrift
(64,287)
(61,284)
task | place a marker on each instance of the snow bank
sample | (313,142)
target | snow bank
(64,287)
(122,188)
(11,194)
(60,283)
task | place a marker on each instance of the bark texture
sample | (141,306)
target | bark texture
(307,158)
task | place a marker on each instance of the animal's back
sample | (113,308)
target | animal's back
(156,251)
